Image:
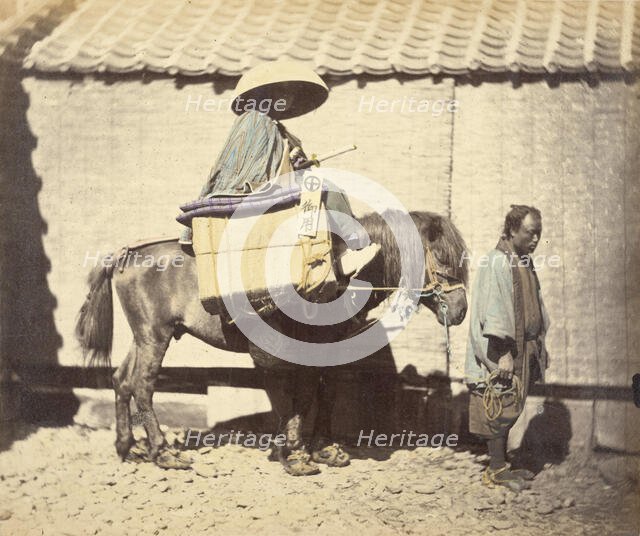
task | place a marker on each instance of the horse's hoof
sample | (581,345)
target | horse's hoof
(123,447)
(173,459)
(298,463)
(331,455)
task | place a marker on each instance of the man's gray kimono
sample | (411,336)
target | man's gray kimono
(498,309)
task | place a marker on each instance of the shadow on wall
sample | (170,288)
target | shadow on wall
(547,437)
(28,333)
(366,396)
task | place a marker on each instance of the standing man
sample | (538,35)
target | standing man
(506,351)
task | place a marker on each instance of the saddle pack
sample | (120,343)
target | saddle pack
(258,250)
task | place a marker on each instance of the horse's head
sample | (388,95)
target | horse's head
(446,267)
(445,261)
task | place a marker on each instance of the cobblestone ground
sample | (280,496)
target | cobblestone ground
(69,481)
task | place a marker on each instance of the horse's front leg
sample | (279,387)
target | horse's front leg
(324,450)
(291,391)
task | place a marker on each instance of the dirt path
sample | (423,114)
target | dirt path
(68,481)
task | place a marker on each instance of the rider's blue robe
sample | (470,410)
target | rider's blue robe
(251,156)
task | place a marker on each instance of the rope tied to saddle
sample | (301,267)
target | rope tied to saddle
(309,261)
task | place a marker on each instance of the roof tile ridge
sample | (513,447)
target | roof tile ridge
(626,35)
(394,57)
(68,57)
(433,60)
(591,33)
(473,47)
(310,8)
(64,59)
(273,22)
(322,56)
(230,29)
(548,59)
(101,64)
(171,63)
(358,54)
(144,46)
(511,54)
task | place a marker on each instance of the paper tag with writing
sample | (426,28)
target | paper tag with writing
(310,198)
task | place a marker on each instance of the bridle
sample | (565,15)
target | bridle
(435,286)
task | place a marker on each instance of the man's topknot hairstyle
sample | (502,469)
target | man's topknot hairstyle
(514,218)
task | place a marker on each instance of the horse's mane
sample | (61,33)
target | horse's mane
(443,237)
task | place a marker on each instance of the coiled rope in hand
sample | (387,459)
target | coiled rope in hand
(494,393)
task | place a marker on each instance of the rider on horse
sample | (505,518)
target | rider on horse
(259,148)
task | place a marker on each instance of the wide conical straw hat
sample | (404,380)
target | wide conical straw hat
(297,85)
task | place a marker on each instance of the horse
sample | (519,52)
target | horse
(162,304)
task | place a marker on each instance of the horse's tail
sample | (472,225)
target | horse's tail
(94,328)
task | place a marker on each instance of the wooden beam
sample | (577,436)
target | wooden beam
(198,379)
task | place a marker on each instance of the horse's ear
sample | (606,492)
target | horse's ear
(435,229)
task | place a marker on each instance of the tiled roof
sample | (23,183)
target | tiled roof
(341,37)
(19,33)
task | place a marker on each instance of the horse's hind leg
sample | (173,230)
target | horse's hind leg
(147,362)
(147,367)
(122,387)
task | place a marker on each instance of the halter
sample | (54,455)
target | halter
(435,286)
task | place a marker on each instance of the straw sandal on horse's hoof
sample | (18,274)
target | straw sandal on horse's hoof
(173,459)
(298,463)
(331,455)
(138,453)
(503,477)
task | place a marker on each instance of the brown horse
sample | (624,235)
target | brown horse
(161,304)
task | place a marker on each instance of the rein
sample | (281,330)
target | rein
(434,287)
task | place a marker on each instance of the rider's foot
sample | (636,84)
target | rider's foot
(186,237)
(353,261)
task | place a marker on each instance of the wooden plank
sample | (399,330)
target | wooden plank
(610,293)
(577,176)
(632,230)
(546,115)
